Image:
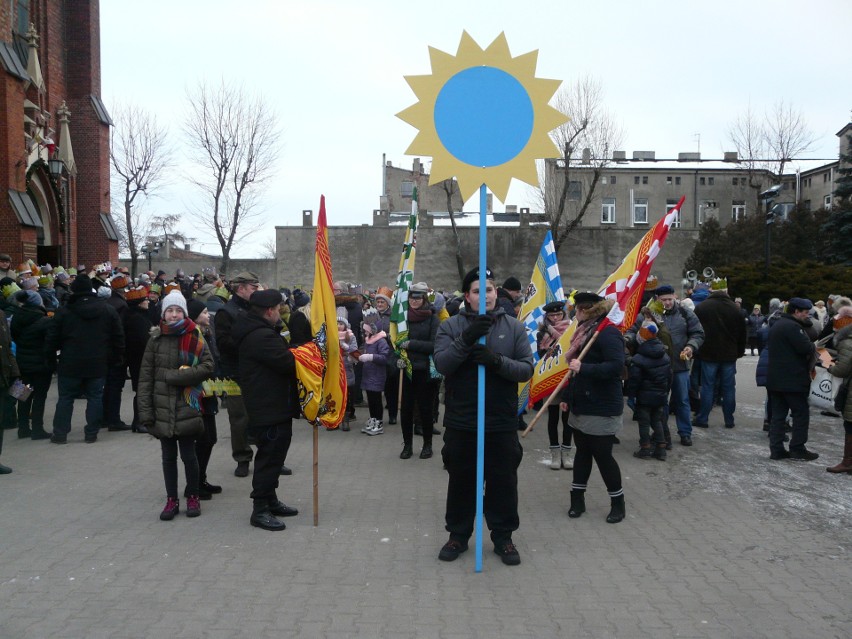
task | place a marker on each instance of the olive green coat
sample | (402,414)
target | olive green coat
(162,407)
(843,368)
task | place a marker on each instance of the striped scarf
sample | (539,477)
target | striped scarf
(190,347)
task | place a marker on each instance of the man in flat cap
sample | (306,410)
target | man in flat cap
(6,269)
(242,286)
(267,374)
(791,358)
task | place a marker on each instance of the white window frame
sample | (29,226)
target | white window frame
(738,212)
(826,202)
(608,210)
(640,204)
(676,223)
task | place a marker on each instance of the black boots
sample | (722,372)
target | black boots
(578,504)
(845,465)
(616,513)
(406,452)
(261,517)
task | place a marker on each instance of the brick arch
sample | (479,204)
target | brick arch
(46,197)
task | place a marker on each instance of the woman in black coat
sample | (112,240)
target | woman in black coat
(29,330)
(137,329)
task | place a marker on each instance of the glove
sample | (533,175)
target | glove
(366,357)
(481,354)
(400,364)
(479,326)
(404,345)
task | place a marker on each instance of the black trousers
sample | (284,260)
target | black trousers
(503,454)
(116,376)
(273,442)
(416,391)
(797,405)
(374,401)
(599,449)
(392,392)
(170,446)
(553,418)
(32,410)
(204,444)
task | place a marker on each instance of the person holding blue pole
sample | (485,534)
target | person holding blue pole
(507,359)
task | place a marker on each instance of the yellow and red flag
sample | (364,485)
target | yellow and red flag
(625,286)
(321,377)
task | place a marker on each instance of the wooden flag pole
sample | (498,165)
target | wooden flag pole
(559,386)
(316,475)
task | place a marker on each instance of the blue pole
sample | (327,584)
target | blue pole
(480,400)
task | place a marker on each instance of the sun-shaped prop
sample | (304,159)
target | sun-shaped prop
(483,116)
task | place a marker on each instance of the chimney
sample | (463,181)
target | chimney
(380,218)
(731,156)
(690,156)
(619,156)
(644,155)
(489,203)
(524,217)
(307,217)
(587,156)
(416,167)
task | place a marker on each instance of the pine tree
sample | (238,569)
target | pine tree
(839,225)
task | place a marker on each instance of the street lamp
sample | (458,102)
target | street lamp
(151,249)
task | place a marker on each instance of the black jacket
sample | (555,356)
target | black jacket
(89,335)
(791,356)
(267,372)
(223,324)
(724,329)
(137,330)
(421,345)
(597,388)
(649,374)
(505,301)
(29,330)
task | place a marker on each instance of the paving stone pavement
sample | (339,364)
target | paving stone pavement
(718,542)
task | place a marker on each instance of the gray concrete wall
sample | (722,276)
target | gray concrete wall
(370,255)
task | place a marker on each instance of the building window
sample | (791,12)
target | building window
(670,204)
(738,210)
(669,180)
(608,210)
(806,205)
(406,188)
(635,179)
(824,178)
(640,210)
(826,203)
(701,181)
(574,190)
(644,179)
(603,179)
(677,181)
(612,179)
(711,181)
(735,181)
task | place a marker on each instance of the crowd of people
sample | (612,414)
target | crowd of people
(193,345)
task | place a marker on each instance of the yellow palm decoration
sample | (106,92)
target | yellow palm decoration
(483,116)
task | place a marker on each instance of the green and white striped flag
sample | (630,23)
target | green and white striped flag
(399,304)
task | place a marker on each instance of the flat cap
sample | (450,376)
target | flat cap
(800,304)
(246,277)
(584,297)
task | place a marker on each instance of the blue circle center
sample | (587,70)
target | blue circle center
(484,116)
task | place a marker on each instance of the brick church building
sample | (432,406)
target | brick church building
(54,135)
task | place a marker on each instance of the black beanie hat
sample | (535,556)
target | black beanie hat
(512,284)
(81,284)
(195,308)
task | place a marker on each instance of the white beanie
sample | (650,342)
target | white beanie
(175,298)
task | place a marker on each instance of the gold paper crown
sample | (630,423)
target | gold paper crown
(171,286)
(10,289)
(719,284)
(651,283)
(45,280)
(138,293)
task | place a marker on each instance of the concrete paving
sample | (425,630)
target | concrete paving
(719,541)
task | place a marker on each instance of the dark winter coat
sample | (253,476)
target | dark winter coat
(597,388)
(374,373)
(63,292)
(8,365)
(791,356)
(421,341)
(162,406)
(505,301)
(117,301)
(29,331)
(724,329)
(649,374)
(137,331)
(267,372)
(761,371)
(214,304)
(48,298)
(507,337)
(842,342)
(754,324)
(301,331)
(89,336)
(223,324)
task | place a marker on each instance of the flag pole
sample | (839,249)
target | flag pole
(480,400)
(316,475)
(559,386)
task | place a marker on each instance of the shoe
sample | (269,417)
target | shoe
(426,451)
(452,549)
(392,421)
(406,452)
(660,452)
(58,439)
(685,440)
(91,439)
(369,425)
(700,425)
(567,459)
(730,425)
(643,453)
(616,513)
(845,465)
(280,509)
(555,458)
(377,429)
(345,426)
(24,433)
(120,426)
(39,434)
(508,553)
(264,519)
(285,471)
(578,504)
(171,509)
(241,469)
(193,506)
(203,495)
(213,489)
(782,454)
(803,455)
(765,426)
(5,470)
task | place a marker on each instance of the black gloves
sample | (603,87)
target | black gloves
(481,354)
(479,326)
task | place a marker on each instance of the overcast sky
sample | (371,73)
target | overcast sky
(333,71)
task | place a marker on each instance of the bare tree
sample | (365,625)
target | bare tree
(450,188)
(268,249)
(140,156)
(235,138)
(787,134)
(586,141)
(749,139)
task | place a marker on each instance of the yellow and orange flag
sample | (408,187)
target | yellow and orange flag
(321,377)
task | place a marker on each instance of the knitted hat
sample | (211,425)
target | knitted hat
(648,331)
(300,298)
(136,295)
(175,298)
(29,298)
(195,308)
(103,292)
(439,302)
(385,293)
(343,320)
(512,284)
(82,284)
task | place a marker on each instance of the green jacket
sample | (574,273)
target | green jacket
(8,365)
